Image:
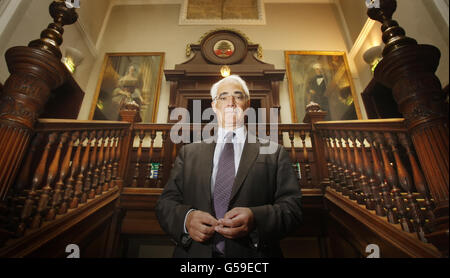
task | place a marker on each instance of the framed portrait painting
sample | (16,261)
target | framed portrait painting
(125,78)
(323,78)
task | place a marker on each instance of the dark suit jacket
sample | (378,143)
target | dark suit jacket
(265,183)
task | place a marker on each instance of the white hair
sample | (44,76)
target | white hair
(232,78)
(317,66)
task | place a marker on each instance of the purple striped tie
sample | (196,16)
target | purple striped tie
(224,183)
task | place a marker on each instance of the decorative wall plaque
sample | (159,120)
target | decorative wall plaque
(224,47)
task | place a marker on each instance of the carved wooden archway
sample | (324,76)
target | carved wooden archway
(193,79)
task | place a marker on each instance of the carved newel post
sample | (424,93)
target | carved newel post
(409,70)
(128,113)
(313,115)
(35,71)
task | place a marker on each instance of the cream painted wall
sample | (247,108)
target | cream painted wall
(152,28)
(415,18)
(29,22)
(355,16)
(92,14)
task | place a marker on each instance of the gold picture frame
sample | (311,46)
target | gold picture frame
(322,77)
(127,77)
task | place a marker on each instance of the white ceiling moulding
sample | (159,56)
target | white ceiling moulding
(347,37)
(7,10)
(442,6)
(368,26)
(87,38)
(104,25)
(185,21)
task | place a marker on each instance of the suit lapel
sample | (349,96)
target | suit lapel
(249,155)
(206,172)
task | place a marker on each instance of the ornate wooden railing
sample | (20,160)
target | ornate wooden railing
(374,163)
(154,153)
(69,165)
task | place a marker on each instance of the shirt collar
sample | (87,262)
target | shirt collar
(239,137)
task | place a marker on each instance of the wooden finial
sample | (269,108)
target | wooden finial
(393,35)
(51,38)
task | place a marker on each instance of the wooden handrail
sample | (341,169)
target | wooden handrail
(47,125)
(397,125)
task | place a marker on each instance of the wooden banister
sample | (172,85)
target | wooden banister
(408,68)
(35,71)
(61,174)
(389,190)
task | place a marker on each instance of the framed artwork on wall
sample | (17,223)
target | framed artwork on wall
(128,77)
(322,77)
(222,12)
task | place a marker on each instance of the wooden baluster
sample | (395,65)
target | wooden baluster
(349,165)
(68,190)
(306,159)
(88,189)
(295,162)
(116,156)
(366,173)
(52,172)
(19,191)
(84,159)
(356,167)
(100,163)
(377,182)
(24,177)
(329,158)
(280,137)
(419,181)
(36,181)
(403,178)
(150,158)
(112,159)
(40,171)
(115,168)
(103,182)
(340,156)
(291,138)
(335,165)
(138,159)
(417,217)
(75,168)
(161,159)
(84,167)
(90,177)
(108,161)
(345,165)
(116,176)
(371,170)
(96,180)
(387,174)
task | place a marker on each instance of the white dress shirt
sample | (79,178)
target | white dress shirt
(238,146)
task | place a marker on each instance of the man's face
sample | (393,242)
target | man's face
(318,71)
(230,104)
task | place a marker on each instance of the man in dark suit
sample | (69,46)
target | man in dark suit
(230,198)
(317,87)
